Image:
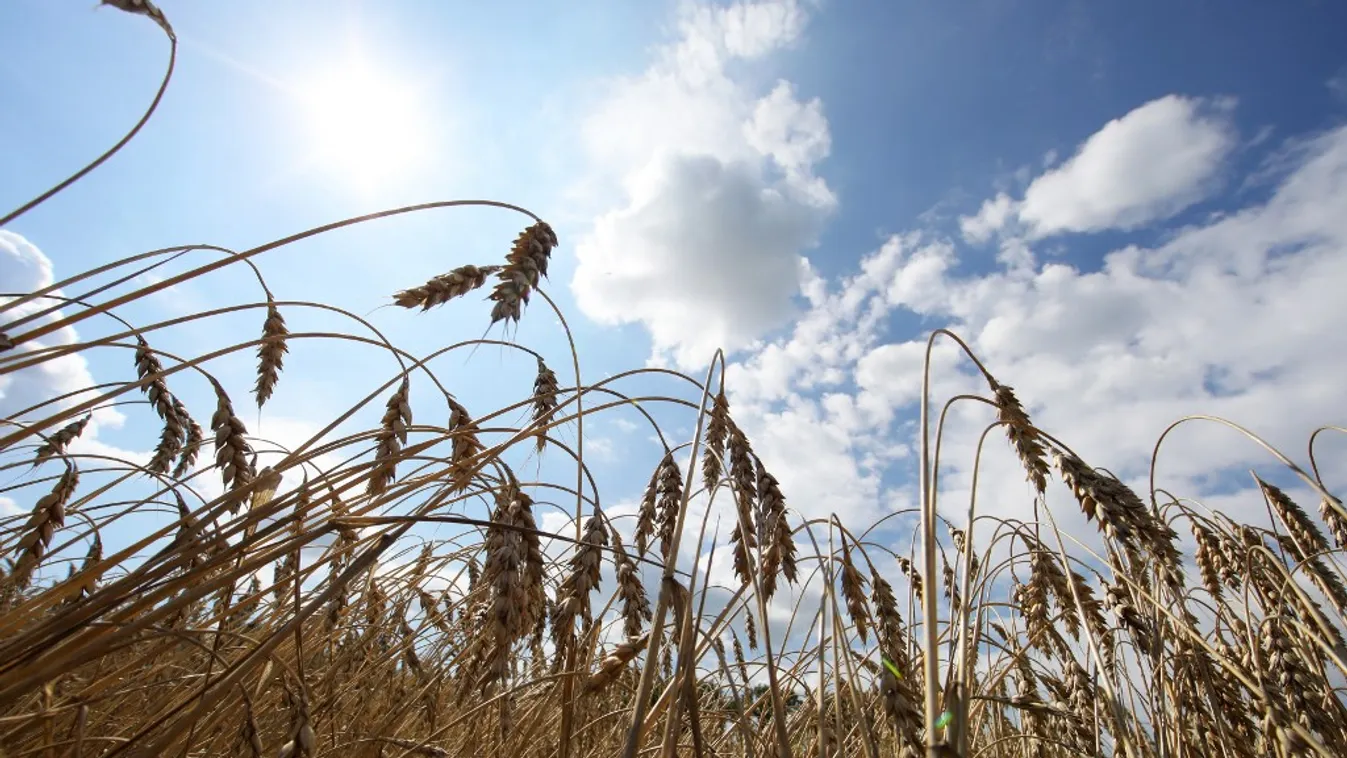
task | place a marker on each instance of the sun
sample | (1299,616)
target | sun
(366,126)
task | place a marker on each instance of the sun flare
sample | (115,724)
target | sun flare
(364,125)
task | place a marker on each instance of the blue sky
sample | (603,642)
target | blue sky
(1132,211)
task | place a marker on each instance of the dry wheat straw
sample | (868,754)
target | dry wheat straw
(353,649)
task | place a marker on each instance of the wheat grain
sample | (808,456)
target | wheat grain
(61,439)
(544,401)
(86,578)
(304,739)
(778,555)
(613,664)
(630,589)
(149,367)
(670,503)
(533,568)
(913,578)
(853,592)
(1023,436)
(1337,524)
(392,436)
(648,512)
(445,287)
(526,262)
(1210,560)
(888,621)
(744,475)
(583,578)
(466,445)
(48,515)
(1122,516)
(717,429)
(143,8)
(1302,529)
(171,441)
(271,353)
(194,437)
(232,450)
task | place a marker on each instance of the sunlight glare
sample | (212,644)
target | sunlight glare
(365,125)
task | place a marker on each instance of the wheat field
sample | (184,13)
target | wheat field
(287,602)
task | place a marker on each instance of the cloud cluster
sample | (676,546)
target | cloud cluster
(719,195)
(1233,316)
(1145,166)
(1237,317)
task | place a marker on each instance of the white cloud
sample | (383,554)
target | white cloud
(795,136)
(991,218)
(24,268)
(707,259)
(719,197)
(1145,166)
(749,30)
(1337,85)
(601,448)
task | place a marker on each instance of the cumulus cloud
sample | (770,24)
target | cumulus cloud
(1145,166)
(718,192)
(703,256)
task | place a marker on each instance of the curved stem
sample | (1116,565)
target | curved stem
(154,105)
(53,326)
(663,600)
